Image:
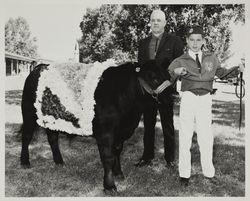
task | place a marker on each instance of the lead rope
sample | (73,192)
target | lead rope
(241,81)
(156,92)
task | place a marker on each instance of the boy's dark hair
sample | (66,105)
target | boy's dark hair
(196,29)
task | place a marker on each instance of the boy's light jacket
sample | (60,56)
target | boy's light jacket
(210,67)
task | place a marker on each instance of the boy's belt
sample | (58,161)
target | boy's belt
(199,92)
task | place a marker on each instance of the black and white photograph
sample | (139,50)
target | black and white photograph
(124,99)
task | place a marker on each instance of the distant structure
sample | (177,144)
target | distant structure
(17,64)
(20,65)
(76,52)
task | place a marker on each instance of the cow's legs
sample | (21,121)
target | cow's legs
(125,131)
(53,141)
(105,146)
(27,134)
(117,164)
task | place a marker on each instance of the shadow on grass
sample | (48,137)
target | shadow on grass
(13,97)
(227,113)
(157,180)
(83,173)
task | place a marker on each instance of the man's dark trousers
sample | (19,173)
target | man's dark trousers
(150,117)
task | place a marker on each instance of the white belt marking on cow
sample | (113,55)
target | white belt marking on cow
(84,111)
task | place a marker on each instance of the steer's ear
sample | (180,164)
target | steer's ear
(137,67)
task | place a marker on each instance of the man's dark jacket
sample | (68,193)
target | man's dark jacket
(170,47)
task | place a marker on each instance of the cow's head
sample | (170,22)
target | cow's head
(155,80)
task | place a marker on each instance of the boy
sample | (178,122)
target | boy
(197,70)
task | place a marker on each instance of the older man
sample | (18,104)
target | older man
(164,48)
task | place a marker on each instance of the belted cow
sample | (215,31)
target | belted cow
(120,96)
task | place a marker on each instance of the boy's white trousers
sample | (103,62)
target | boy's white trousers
(198,108)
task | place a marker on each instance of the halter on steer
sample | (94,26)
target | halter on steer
(152,92)
(241,96)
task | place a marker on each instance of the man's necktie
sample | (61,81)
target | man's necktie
(156,44)
(198,62)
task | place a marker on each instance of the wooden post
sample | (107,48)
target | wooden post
(11,66)
(18,66)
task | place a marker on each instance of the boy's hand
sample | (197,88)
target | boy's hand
(242,65)
(180,71)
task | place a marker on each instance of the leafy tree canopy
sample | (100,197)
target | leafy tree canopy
(113,31)
(18,38)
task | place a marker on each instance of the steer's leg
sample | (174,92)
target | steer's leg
(117,164)
(27,134)
(53,141)
(105,146)
(28,127)
(123,132)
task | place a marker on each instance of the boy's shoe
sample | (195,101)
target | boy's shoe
(184,181)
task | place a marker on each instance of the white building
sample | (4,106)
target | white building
(20,65)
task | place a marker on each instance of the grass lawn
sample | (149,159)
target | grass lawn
(83,173)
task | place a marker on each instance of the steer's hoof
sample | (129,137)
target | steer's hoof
(111,191)
(25,166)
(61,164)
(119,177)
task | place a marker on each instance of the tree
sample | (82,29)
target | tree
(131,26)
(18,38)
(124,25)
(97,28)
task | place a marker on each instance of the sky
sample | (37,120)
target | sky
(55,24)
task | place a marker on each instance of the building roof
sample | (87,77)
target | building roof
(18,57)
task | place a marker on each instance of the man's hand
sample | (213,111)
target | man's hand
(180,71)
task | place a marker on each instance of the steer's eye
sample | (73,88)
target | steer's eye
(155,80)
(153,76)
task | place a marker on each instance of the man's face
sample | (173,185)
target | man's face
(195,42)
(157,22)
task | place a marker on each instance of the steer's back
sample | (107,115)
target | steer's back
(115,83)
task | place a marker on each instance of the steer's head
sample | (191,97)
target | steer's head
(153,77)
(153,74)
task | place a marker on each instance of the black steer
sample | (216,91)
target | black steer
(120,99)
